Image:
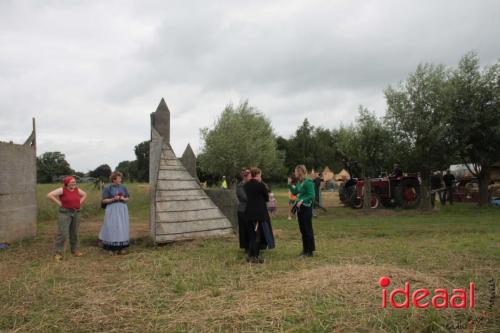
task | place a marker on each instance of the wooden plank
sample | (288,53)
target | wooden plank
(172,198)
(183,205)
(172,168)
(211,213)
(167,154)
(193,235)
(174,175)
(192,226)
(177,185)
(162,195)
(170,162)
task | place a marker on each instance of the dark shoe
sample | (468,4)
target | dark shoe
(255,260)
(308,254)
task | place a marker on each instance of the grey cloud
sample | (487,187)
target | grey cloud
(91,72)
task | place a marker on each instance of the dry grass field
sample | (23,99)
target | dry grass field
(207,286)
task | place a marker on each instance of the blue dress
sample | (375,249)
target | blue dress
(115,231)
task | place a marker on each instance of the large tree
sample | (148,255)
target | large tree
(301,147)
(417,115)
(367,142)
(142,155)
(128,169)
(241,137)
(373,141)
(475,117)
(312,146)
(52,164)
(102,172)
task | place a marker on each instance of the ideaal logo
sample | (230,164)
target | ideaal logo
(423,298)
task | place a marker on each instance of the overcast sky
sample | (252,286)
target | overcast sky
(91,72)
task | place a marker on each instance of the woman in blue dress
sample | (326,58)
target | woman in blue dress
(115,232)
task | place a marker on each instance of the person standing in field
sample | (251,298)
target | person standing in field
(224,183)
(397,171)
(449,182)
(256,213)
(115,231)
(304,189)
(69,198)
(242,206)
(272,205)
(291,198)
(436,188)
(318,180)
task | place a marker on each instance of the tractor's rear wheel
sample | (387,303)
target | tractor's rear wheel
(358,202)
(344,194)
(375,201)
(388,203)
(355,201)
(347,194)
(407,193)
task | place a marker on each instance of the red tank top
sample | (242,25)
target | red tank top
(70,199)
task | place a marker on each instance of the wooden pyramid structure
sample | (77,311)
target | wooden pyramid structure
(179,209)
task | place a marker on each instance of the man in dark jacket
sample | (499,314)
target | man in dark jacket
(449,182)
(242,206)
(256,213)
(318,180)
(397,171)
(436,185)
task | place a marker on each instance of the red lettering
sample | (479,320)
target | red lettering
(405,292)
(440,294)
(458,294)
(471,295)
(384,298)
(416,298)
(439,300)
(384,282)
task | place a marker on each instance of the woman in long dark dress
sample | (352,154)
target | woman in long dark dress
(242,206)
(256,213)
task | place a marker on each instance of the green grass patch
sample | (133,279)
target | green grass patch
(206,285)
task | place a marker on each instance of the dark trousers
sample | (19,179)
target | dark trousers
(448,195)
(253,239)
(433,198)
(304,215)
(243,230)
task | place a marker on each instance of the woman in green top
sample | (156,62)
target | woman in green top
(304,190)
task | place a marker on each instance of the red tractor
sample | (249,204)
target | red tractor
(401,191)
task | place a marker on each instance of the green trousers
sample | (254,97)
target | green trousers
(68,224)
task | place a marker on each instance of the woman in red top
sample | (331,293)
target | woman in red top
(69,198)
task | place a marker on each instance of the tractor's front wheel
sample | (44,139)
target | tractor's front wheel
(407,193)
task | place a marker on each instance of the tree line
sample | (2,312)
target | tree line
(437,116)
(51,165)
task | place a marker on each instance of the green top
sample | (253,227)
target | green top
(304,192)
